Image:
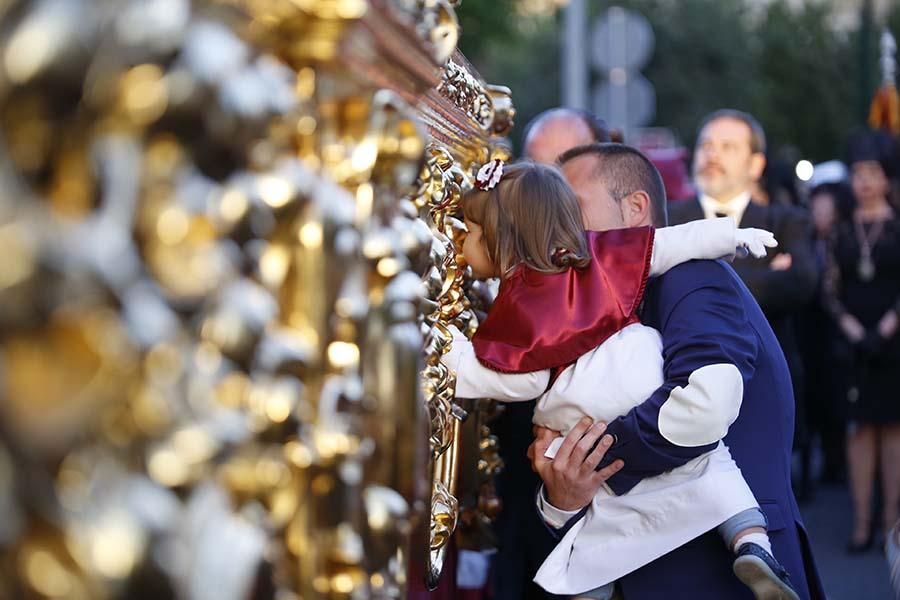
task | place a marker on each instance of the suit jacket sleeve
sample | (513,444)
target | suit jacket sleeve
(709,352)
(788,290)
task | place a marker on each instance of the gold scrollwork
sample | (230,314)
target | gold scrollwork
(467,93)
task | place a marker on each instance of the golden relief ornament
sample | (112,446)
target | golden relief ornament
(469,94)
(232,264)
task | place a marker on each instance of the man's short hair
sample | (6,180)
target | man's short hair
(757,133)
(597,126)
(625,170)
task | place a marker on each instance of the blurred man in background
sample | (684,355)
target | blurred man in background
(554,131)
(729,159)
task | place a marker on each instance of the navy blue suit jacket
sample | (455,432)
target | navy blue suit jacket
(706,316)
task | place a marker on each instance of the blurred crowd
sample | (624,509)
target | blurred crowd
(849,374)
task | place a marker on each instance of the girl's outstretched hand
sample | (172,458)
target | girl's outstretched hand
(753,241)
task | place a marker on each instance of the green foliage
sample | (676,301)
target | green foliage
(519,52)
(484,24)
(703,59)
(807,95)
(808,84)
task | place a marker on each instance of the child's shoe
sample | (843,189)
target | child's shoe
(762,574)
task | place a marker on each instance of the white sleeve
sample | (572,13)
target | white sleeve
(474,380)
(554,517)
(707,238)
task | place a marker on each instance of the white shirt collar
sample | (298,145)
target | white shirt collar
(734,207)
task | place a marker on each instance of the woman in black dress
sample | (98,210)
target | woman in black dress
(862,293)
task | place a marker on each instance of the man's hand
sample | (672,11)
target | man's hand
(781,262)
(887,326)
(570,480)
(852,328)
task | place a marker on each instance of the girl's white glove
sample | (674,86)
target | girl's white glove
(753,241)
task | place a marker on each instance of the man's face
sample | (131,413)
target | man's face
(724,164)
(824,213)
(599,210)
(554,136)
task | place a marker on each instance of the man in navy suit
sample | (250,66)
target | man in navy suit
(710,325)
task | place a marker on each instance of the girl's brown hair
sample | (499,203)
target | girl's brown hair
(532,216)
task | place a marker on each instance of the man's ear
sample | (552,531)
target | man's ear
(757,165)
(636,209)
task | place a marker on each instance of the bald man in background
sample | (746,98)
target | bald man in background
(523,540)
(556,130)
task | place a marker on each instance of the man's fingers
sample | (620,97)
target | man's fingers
(536,455)
(588,443)
(609,470)
(598,452)
(568,446)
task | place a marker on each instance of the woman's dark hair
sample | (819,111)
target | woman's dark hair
(865,145)
(842,194)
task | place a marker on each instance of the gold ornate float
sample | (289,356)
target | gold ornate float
(230,232)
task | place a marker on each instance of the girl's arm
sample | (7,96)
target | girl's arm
(473,380)
(707,238)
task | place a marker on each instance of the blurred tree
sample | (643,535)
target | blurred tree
(703,59)
(783,62)
(804,73)
(516,49)
(484,24)
(893,21)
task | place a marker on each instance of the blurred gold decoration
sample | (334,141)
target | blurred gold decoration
(231,231)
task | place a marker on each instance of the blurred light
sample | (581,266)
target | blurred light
(144,93)
(388,267)
(275,192)
(33,45)
(278,406)
(364,156)
(299,454)
(274,265)
(194,445)
(342,583)
(306,83)
(306,125)
(343,354)
(117,546)
(311,235)
(233,205)
(18,262)
(172,226)
(365,198)
(804,170)
(167,468)
(46,575)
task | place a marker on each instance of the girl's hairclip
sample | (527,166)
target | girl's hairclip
(489,175)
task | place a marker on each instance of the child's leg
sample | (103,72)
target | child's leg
(605,592)
(747,526)
(745,534)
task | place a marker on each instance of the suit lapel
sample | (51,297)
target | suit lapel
(685,211)
(754,216)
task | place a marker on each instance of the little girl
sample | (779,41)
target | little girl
(597,360)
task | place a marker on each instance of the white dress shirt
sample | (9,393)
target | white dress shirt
(733,208)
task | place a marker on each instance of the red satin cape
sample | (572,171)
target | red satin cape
(544,321)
